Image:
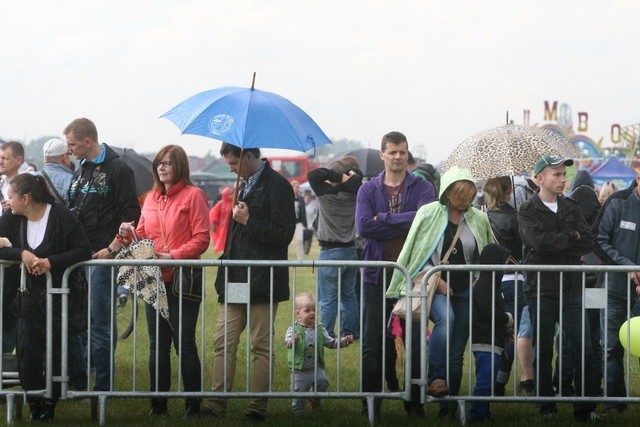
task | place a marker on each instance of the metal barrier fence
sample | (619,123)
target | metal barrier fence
(206,323)
(8,362)
(138,385)
(589,299)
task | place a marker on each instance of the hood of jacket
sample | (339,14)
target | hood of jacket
(588,201)
(493,254)
(227,194)
(582,178)
(454,174)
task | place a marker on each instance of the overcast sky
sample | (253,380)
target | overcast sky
(438,71)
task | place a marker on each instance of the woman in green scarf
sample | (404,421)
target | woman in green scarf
(431,235)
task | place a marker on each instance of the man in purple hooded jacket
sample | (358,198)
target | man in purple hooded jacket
(385,208)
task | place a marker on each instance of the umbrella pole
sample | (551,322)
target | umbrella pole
(235,189)
(513,191)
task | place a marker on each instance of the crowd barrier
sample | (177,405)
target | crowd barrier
(131,379)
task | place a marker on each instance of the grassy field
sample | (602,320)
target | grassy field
(132,374)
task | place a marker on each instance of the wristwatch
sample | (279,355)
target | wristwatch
(111,252)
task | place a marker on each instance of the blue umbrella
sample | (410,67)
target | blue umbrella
(247,118)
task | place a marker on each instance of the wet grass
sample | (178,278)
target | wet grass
(132,374)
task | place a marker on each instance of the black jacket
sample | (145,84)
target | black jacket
(587,199)
(504,223)
(104,196)
(549,239)
(301,213)
(487,299)
(621,194)
(64,244)
(266,236)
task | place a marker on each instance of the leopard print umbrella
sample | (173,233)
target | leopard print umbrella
(508,150)
(144,280)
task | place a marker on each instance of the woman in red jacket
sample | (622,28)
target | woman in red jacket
(220,218)
(176,217)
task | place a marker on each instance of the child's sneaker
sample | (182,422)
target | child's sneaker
(527,387)
(316,405)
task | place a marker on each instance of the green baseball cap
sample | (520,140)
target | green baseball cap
(552,161)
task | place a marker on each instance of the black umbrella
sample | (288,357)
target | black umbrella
(141,167)
(369,160)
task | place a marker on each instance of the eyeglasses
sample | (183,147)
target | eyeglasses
(165,163)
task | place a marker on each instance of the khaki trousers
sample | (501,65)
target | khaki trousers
(224,359)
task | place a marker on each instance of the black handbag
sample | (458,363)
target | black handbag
(78,303)
(191,283)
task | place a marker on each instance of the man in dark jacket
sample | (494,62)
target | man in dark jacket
(618,237)
(621,194)
(263,225)
(103,195)
(554,232)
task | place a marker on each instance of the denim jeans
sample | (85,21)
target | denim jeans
(334,281)
(548,317)
(162,338)
(450,316)
(305,380)
(376,313)
(513,306)
(484,359)
(525,330)
(103,326)
(568,370)
(617,315)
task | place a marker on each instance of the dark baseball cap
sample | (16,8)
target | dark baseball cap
(552,161)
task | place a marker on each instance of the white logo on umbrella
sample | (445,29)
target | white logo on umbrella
(221,124)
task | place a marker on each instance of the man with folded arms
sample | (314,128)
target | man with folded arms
(554,232)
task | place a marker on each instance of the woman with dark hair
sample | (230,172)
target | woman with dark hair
(504,222)
(45,237)
(176,217)
(432,233)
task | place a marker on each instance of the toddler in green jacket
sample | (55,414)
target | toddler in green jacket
(303,353)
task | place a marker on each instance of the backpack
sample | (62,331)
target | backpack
(429,173)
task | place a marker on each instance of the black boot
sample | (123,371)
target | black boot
(192,408)
(43,410)
(48,410)
(158,407)
(35,409)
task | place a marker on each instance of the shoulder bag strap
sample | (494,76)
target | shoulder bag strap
(52,189)
(165,246)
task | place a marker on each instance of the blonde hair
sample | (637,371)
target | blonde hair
(607,189)
(303,296)
(462,190)
(495,191)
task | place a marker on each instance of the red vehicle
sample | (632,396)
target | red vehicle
(294,168)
